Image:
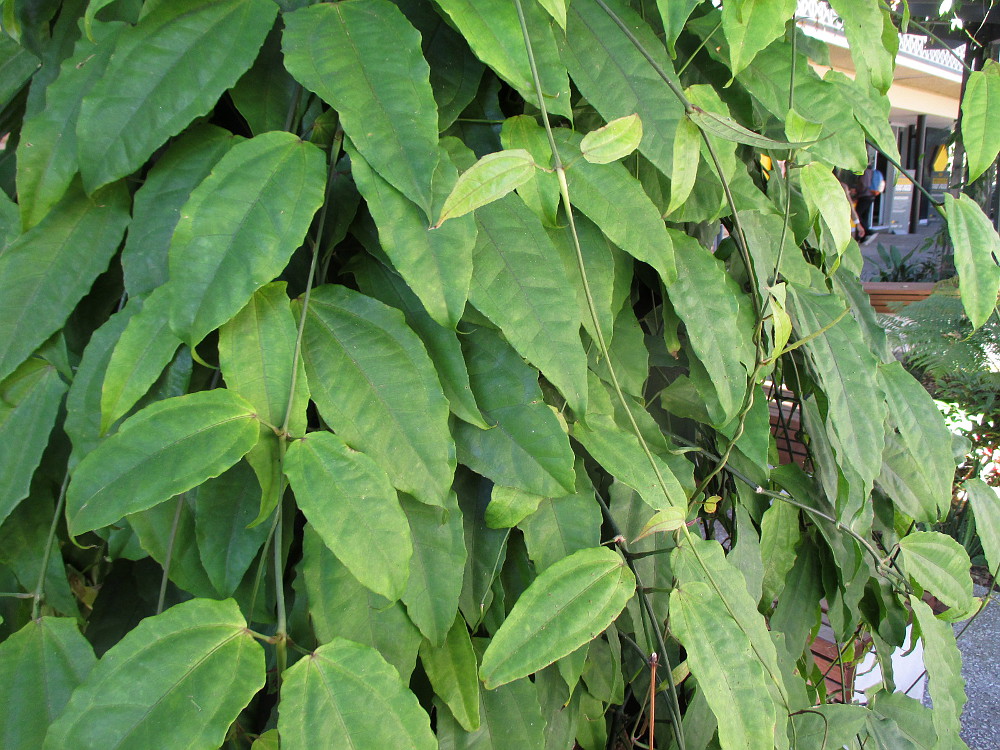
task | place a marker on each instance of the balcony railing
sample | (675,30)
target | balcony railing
(818,14)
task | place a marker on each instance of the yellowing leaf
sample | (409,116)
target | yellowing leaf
(489,179)
(615,140)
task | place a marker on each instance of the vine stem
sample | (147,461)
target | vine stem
(39,593)
(170,554)
(602,344)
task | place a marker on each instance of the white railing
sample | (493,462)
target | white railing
(819,13)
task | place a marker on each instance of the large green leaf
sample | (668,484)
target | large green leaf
(442,344)
(863,27)
(147,92)
(363,58)
(40,666)
(511,719)
(979,136)
(719,322)
(345,692)
(518,283)
(939,564)
(720,655)
(374,384)
(847,371)
(614,200)
(561,526)
(29,403)
(825,196)
(266,93)
(239,228)
(16,66)
(340,607)
(985,503)
(157,209)
(145,347)
(167,448)
(257,356)
(526,445)
(352,505)
(899,722)
(55,261)
(46,155)
(453,672)
(436,263)
(616,79)
(167,672)
(779,533)
(977,255)
(223,508)
(925,438)
(944,673)
(436,568)
(492,29)
(486,547)
(751,25)
(568,605)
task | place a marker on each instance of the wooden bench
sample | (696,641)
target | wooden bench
(889,296)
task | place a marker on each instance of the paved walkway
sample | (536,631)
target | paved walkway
(905,243)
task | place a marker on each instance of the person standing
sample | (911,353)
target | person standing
(870,186)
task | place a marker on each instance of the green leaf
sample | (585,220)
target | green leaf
(939,564)
(47,151)
(266,92)
(436,568)
(487,547)
(347,691)
(720,654)
(184,655)
(436,263)
(511,719)
(167,532)
(719,321)
(79,234)
(847,370)
(614,141)
(687,153)
(340,607)
(779,533)
(898,722)
(256,356)
(863,27)
(363,58)
(146,94)
(751,25)
(350,502)
(526,446)
(442,344)
(518,283)
(825,196)
(668,519)
(144,348)
(926,441)
(374,384)
(944,673)
(93,8)
(40,666)
(240,227)
(561,526)
(167,448)
(223,508)
(835,724)
(986,510)
(572,601)
(509,506)
(157,209)
(492,29)
(29,405)
(454,674)
(980,138)
(616,79)
(540,193)
(726,128)
(614,200)
(620,452)
(16,66)
(977,253)
(489,179)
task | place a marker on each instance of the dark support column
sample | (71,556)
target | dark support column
(918,177)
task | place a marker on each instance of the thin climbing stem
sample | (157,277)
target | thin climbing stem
(165,578)
(39,594)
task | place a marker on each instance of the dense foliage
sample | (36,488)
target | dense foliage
(372,377)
